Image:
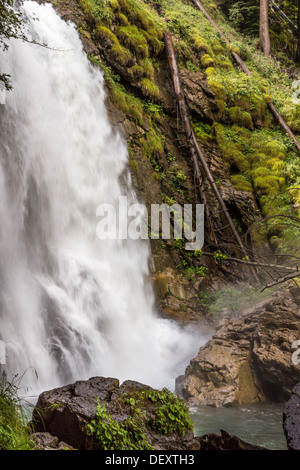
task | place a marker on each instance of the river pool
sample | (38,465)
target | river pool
(259,424)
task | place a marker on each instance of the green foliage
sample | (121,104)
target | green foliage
(112,435)
(195,271)
(241,183)
(161,411)
(198,253)
(152,144)
(207,61)
(258,156)
(149,89)
(202,131)
(171,413)
(220,256)
(154,110)
(244,15)
(232,298)
(178,243)
(240,117)
(131,32)
(14,432)
(133,39)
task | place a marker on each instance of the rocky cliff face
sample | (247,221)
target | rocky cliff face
(248,360)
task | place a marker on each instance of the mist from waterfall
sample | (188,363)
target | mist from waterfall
(71,306)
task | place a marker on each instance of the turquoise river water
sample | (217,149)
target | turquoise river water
(259,424)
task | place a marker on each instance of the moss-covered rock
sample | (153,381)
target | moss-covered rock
(102,414)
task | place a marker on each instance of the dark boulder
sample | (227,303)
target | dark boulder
(225,442)
(291,419)
(67,411)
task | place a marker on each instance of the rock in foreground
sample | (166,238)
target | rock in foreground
(291,420)
(101,414)
(225,442)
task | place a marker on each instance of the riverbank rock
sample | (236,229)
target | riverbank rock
(249,359)
(291,420)
(66,413)
(45,441)
(225,442)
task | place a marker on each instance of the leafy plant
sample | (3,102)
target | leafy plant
(232,298)
(112,435)
(171,413)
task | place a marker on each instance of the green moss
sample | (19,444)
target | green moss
(217,88)
(155,42)
(149,89)
(152,144)
(265,182)
(207,61)
(225,64)
(276,165)
(148,69)
(240,117)
(241,183)
(202,131)
(199,43)
(122,19)
(87,7)
(117,51)
(136,72)
(133,40)
(267,185)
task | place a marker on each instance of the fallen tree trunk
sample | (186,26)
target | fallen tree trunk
(192,141)
(245,69)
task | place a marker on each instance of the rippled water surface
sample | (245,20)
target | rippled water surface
(259,424)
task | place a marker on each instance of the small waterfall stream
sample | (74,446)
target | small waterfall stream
(71,305)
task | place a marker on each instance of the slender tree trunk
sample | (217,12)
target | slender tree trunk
(264,34)
(298,35)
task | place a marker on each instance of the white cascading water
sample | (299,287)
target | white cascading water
(71,306)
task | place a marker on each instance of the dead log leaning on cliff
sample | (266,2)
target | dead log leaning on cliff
(245,69)
(192,141)
(188,131)
(288,277)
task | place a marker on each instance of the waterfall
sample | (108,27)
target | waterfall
(71,306)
